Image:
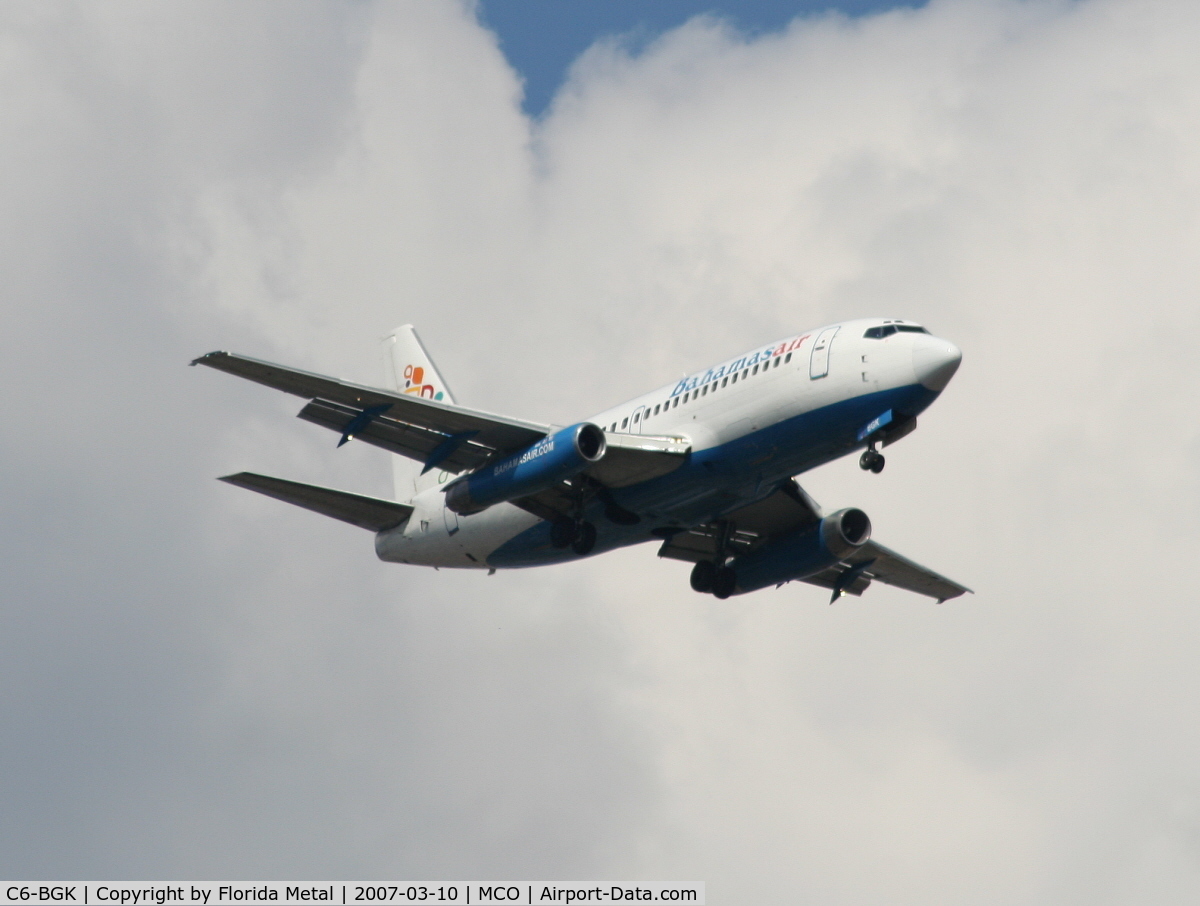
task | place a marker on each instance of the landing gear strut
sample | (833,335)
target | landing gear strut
(577,534)
(572,530)
(585,539)
(871,461)
(713,575)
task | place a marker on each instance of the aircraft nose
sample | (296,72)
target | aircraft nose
(935,361)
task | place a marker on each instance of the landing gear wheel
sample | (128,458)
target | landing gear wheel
(703,574)
(564,532)
(585,539)
(871,461)
(724,582)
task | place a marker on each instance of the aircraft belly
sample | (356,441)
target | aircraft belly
(436,536)
(719,478)
(482,533)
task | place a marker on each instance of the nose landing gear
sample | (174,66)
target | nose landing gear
(871,461)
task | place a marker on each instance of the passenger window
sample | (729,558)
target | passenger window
(614,427)
(787,358)
(776,365)
(636,416)
(745,373)
(656,410)
(704,392)
(676,403)
(624,421)
(755,371)
(724,382)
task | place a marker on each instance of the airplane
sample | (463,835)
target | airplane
(705,467)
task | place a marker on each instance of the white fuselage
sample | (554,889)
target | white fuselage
(752,421)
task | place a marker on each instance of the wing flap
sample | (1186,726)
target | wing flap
(373,513)
(496,432)
(891,568)
(833,578)
(396,436)
(700,543)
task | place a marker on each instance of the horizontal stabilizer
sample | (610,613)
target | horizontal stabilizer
(372,513)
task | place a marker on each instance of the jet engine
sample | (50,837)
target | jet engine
(552,459)
(803,552)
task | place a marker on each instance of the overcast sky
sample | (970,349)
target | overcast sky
(200,683)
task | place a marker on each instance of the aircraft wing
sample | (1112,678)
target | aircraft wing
(788,509)
(448,436)
(874,561)
(371,513)
(457,439)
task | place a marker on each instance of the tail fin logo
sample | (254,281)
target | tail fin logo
(414,376)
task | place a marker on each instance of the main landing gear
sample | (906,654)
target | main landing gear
(719,580)
(577,534)
(713,576)
(871,461)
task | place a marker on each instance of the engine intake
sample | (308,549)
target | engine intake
(804,552)
(552,459)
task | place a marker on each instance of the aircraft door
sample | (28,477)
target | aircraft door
(818,363)
(639,416)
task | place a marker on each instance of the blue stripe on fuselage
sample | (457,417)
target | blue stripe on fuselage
(718,480)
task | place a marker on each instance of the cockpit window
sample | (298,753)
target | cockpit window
(878,333)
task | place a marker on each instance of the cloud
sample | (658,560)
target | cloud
(199,682)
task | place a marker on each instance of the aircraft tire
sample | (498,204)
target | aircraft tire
(703,574)
(871,461)
(585,539)
(724,582)
(563,533)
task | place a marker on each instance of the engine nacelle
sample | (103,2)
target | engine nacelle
(552,459)
(804,552)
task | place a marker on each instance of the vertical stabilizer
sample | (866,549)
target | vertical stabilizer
(410,370)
